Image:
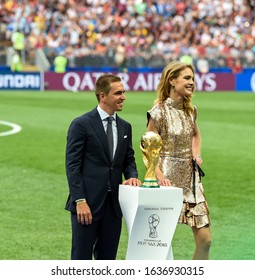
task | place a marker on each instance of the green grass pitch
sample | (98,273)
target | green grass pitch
(33,187)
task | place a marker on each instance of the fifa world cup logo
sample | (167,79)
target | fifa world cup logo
(150,145)
(153,223)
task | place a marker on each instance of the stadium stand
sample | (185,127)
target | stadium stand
(147,33)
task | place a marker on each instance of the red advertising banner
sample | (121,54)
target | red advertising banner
(85,81)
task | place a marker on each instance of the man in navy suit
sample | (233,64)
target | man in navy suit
(94,175)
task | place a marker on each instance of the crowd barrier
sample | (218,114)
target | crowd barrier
(135,81)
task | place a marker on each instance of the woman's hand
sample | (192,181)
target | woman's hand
(164,182)
(198,159)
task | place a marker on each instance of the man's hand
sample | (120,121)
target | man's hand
(132,182)
(84,215)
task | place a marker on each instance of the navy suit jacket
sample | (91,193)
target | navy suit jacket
(89,168)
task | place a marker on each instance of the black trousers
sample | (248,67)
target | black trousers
(98,240)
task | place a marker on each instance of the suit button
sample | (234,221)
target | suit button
(111,168)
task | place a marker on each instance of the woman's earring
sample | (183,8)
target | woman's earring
(172,87)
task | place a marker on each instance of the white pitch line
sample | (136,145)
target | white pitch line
(15,128)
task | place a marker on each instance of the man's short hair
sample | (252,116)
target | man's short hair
(103,83)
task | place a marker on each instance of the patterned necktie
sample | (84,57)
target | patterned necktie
(109,135)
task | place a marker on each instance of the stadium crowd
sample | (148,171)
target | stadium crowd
(134,32)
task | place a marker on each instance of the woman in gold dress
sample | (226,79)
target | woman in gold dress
(173,117)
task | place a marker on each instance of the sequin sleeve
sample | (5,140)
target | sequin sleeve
(156,113)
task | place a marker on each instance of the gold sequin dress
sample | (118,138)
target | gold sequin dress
(176,130)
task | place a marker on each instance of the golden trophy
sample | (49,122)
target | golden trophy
(150,144)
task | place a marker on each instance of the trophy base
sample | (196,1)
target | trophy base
(150,184)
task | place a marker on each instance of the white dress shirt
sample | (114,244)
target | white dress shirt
(104,116)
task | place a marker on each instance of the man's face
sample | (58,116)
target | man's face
(115,99)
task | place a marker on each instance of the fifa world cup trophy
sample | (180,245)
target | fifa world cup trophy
(150,144)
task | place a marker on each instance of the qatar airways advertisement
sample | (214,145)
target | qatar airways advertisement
(147,82)
(85,81)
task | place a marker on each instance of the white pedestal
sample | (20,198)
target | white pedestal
(151,216)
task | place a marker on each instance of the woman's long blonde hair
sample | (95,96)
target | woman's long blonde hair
(172,71)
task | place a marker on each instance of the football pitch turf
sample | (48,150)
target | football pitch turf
(33,187)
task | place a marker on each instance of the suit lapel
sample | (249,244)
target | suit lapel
(96,124)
